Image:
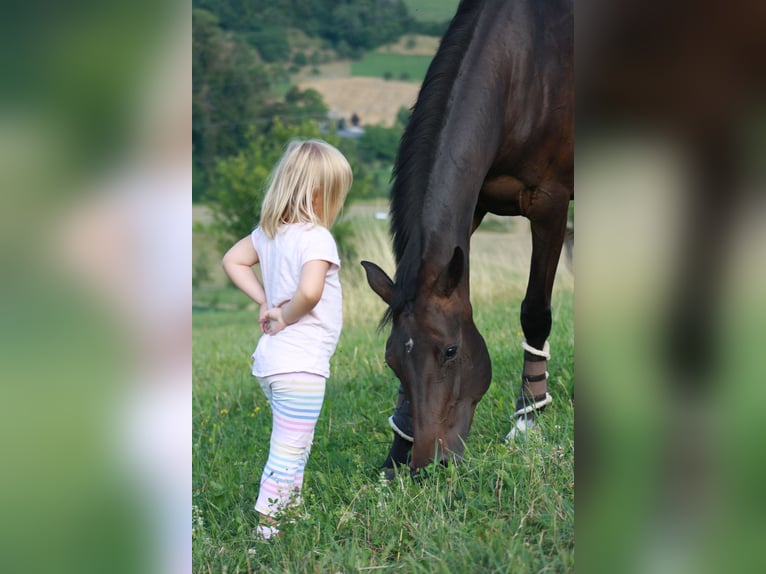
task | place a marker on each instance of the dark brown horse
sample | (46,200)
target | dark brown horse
(492,132)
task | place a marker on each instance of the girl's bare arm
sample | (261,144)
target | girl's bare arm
(238,265)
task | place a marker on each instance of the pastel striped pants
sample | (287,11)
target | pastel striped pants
(296,400)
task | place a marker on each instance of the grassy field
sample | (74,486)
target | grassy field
(506,509)
(432,10)
(392,66)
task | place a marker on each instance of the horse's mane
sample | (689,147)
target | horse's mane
(415,158)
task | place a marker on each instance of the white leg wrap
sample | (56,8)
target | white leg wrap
(533,407)
(545,353)
(398,431)
(522,423)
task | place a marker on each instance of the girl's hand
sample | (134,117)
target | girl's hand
(273,322)
(262,317)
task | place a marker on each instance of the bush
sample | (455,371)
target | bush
(300,59)
(379,143)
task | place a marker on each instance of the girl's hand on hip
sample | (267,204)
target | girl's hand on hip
(272,323)
(262,318)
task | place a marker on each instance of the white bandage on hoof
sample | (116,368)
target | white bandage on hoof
(545,353)
(399,431)
(520,427)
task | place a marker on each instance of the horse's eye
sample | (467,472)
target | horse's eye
(450,352)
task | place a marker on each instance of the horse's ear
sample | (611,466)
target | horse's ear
(451,275)
(379,281)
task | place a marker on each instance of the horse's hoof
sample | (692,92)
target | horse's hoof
(387,474)
(520,428)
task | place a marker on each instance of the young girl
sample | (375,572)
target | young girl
(300,308)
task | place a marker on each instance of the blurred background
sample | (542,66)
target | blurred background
(95,116)
(670,173)
(100,180)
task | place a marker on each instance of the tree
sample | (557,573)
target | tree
(271,43)
(366,24)
(228,92)
(403,116)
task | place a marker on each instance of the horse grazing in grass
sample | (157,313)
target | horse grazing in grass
(492,131)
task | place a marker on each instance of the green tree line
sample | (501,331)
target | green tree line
(350,26)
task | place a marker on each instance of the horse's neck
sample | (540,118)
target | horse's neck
(465,147)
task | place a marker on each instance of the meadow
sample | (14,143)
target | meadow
(432,10)
(506,508)
(411,68)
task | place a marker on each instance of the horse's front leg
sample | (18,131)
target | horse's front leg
(402,427)
(547,212)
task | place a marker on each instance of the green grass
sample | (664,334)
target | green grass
(503,510)
(432,10)
(392,66)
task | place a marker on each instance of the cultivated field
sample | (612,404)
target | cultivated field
(375,100)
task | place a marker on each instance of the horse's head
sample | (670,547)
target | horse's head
(437,353)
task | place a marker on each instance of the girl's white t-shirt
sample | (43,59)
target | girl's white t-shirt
(308,344)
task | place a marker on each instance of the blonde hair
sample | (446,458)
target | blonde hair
(308,185)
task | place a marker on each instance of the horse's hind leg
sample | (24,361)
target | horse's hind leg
(548,222)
